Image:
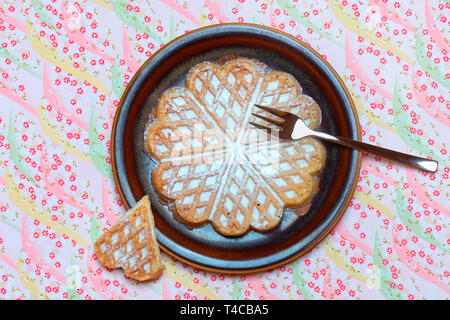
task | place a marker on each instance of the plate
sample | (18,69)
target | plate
(295,235)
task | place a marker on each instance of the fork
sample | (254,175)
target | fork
(291,127)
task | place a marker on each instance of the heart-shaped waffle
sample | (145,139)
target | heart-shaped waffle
(202,141)
(131,244)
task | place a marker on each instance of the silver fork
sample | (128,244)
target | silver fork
(291,127)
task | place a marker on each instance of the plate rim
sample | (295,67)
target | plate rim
(348,197)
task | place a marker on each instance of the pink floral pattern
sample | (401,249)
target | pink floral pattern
(63,68)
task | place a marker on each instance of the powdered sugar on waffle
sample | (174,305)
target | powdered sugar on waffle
(131,244)
(214,166)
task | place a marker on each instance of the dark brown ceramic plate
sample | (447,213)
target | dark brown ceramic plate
(296,235)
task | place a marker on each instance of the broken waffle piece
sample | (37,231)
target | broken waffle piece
(131,244)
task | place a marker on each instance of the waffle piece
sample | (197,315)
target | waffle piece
(246,202)
(292,176)
(281,91)
(193,186)
(131,244)
(216,178)
(182,130)
(225,91)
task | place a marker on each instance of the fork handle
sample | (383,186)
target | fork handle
(417,162)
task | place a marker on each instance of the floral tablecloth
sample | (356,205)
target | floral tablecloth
(63,67)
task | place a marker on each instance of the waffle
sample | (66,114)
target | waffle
(213,166)
(131,244)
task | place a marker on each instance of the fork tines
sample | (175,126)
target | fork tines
(273,111)
(267,129)
(273,121)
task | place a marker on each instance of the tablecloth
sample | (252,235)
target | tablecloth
(63,68)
